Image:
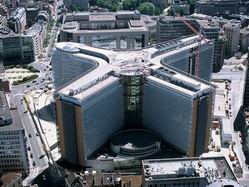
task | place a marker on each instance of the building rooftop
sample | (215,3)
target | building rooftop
(6,31)
(211,168)
(208,24)
(120,21)
(114,63)
(18,13)
(35,29)
(9,114)
(244,30)
(8,178)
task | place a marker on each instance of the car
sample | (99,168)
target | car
(29,149)
(34,164)
(34,81)
(30,136)
(31,155)
(28,86)
(40,157)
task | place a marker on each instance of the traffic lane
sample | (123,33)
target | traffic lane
(36,147)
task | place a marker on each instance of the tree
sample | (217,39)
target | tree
(147,8)
(192,4)
(130,4)
(109,4)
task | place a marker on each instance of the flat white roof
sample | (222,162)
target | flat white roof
(117,61)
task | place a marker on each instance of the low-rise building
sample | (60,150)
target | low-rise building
(13,150)
(11,180)
(112,30)
(199,172)
(3,10)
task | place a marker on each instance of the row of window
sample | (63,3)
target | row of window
(9,142)
(9,133)
(183,184)
(10,152)
(9,156)
(10,147)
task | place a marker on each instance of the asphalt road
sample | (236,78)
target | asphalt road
(30,129)
(45,73)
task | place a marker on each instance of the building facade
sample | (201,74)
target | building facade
(244,39)
(22,48)
(17,21)
(169,28)
(232,34)
(129,85)
(120,30)
(83,4)
(13,150)
(217,7)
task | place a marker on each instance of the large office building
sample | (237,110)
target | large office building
(232,34)
(22,48)
(13,150)
(17,21)
(197,172)
(217,7)
(112,30)
(147,95)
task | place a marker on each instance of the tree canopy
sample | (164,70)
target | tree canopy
(130,4)
(147,8)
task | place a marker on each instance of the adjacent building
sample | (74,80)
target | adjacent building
(211,31)
(217,7)
(199,172)
(83,4)
(13,150)
(3,21)
(169,28)
(11,180)
(4,82)
(17,21)
(244,39)
(232,34)
(141,91)
(31,14)
(112,30)
(37,33)
(180,7)
(22,48)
